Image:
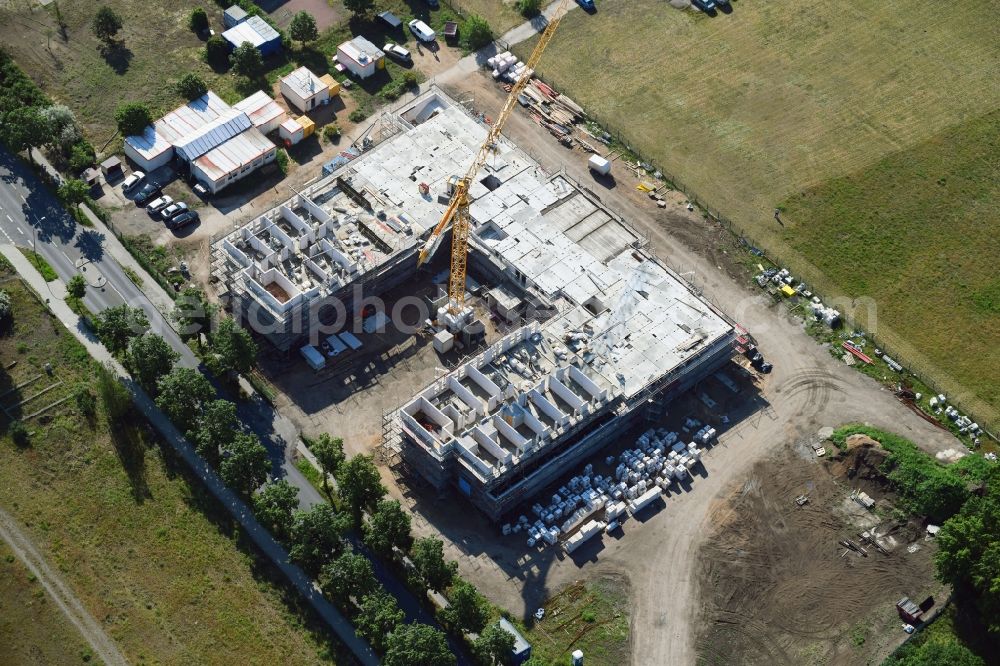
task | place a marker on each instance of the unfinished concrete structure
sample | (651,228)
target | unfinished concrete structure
(608,328)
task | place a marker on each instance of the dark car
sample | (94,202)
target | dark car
(183,219)
(704,5)
(587,5)
(148,192)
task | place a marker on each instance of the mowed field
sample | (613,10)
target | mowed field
(152,557)
(500,14)
(751,108)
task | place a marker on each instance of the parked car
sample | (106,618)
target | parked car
(587,4)
(132,181)
(148,192)
(156,205)
(704,5)
(422,31)
(398,52)
(183,219)
(173,210)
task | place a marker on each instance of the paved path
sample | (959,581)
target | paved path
(236,507)
(65,599)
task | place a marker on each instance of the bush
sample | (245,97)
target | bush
(217,52)
(81,156)
(281,159)
(357,115)
(331,132)
(5,306)
(191,86)
(132,118)
(477,33)
(198,20)
(529,8)
(19,433)
(85,401)
(246,60)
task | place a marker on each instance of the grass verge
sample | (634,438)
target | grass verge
(38,261)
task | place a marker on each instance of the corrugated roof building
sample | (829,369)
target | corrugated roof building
(233,159)
(155,146)
(213,134)
(265,114)
(256,31)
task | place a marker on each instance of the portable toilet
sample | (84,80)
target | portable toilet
(577,658)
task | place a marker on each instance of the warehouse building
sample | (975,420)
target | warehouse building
(258,32)
(217,143)
(622,331)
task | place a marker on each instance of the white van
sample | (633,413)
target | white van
(422,31)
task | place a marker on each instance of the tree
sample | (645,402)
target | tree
(198,21)
(217,52)
(360,485)
(62,125)
(6,309)
(246,60)
(106,24)
(968,555)
(477,33)
(133,118)
(216,429)
(378,617)
(116,326)
(148,358)
(935,653)
(329,452)
(81,156)
(350,575)
(360,8)
(234,348)
(193,313)
(417,645)
(315,536)
(428,557)
(529,8)
(76,287)
(388,526)
(303,28)
(494,646)
(245,464)
(191,86)
(468,611)
(274,506)
(24,128)
(182,395)
(116,399)
(73,192)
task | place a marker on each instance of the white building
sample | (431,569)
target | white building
(361,57)
(304,90)
(265,114)
(233,159)
(154,148)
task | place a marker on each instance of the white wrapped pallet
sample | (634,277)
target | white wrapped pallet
(680,473)
(691,462)
(587,531)
(643,501)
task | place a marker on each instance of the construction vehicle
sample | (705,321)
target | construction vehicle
(457,213)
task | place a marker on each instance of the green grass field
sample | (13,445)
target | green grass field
(500,14)
(749,109)
(148,553)
(33,628)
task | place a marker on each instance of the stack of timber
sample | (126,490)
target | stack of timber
(550,109)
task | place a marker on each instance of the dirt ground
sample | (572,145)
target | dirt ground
(776,587)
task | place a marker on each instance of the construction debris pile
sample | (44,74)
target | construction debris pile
(659,459)
(547,107)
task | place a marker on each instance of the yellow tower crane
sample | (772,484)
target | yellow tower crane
(458,208)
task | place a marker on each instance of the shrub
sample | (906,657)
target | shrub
(357,115)
(528,8)
(106,24)
(191,86)
(331,132)
(5,306)
(85,401)
(281,159)
(477,33)
(410,79)
(246,60)
(132,118)
(198,20)
(19,433)
(81,156)
(216,52)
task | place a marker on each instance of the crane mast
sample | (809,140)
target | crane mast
(458,208)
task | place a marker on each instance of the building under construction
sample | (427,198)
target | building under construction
(620,331)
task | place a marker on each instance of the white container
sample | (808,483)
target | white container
(599,165)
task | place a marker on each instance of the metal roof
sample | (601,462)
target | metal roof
(260,108)
(179,123)
(304,83)
(254,30)
(360,50)
(213,134)
(233,154)
(521,645)
(236,13)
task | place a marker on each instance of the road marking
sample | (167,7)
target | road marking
(20,230)
(10,218)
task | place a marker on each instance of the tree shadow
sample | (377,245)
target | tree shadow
(129,441)
(91,245)
(117,56)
